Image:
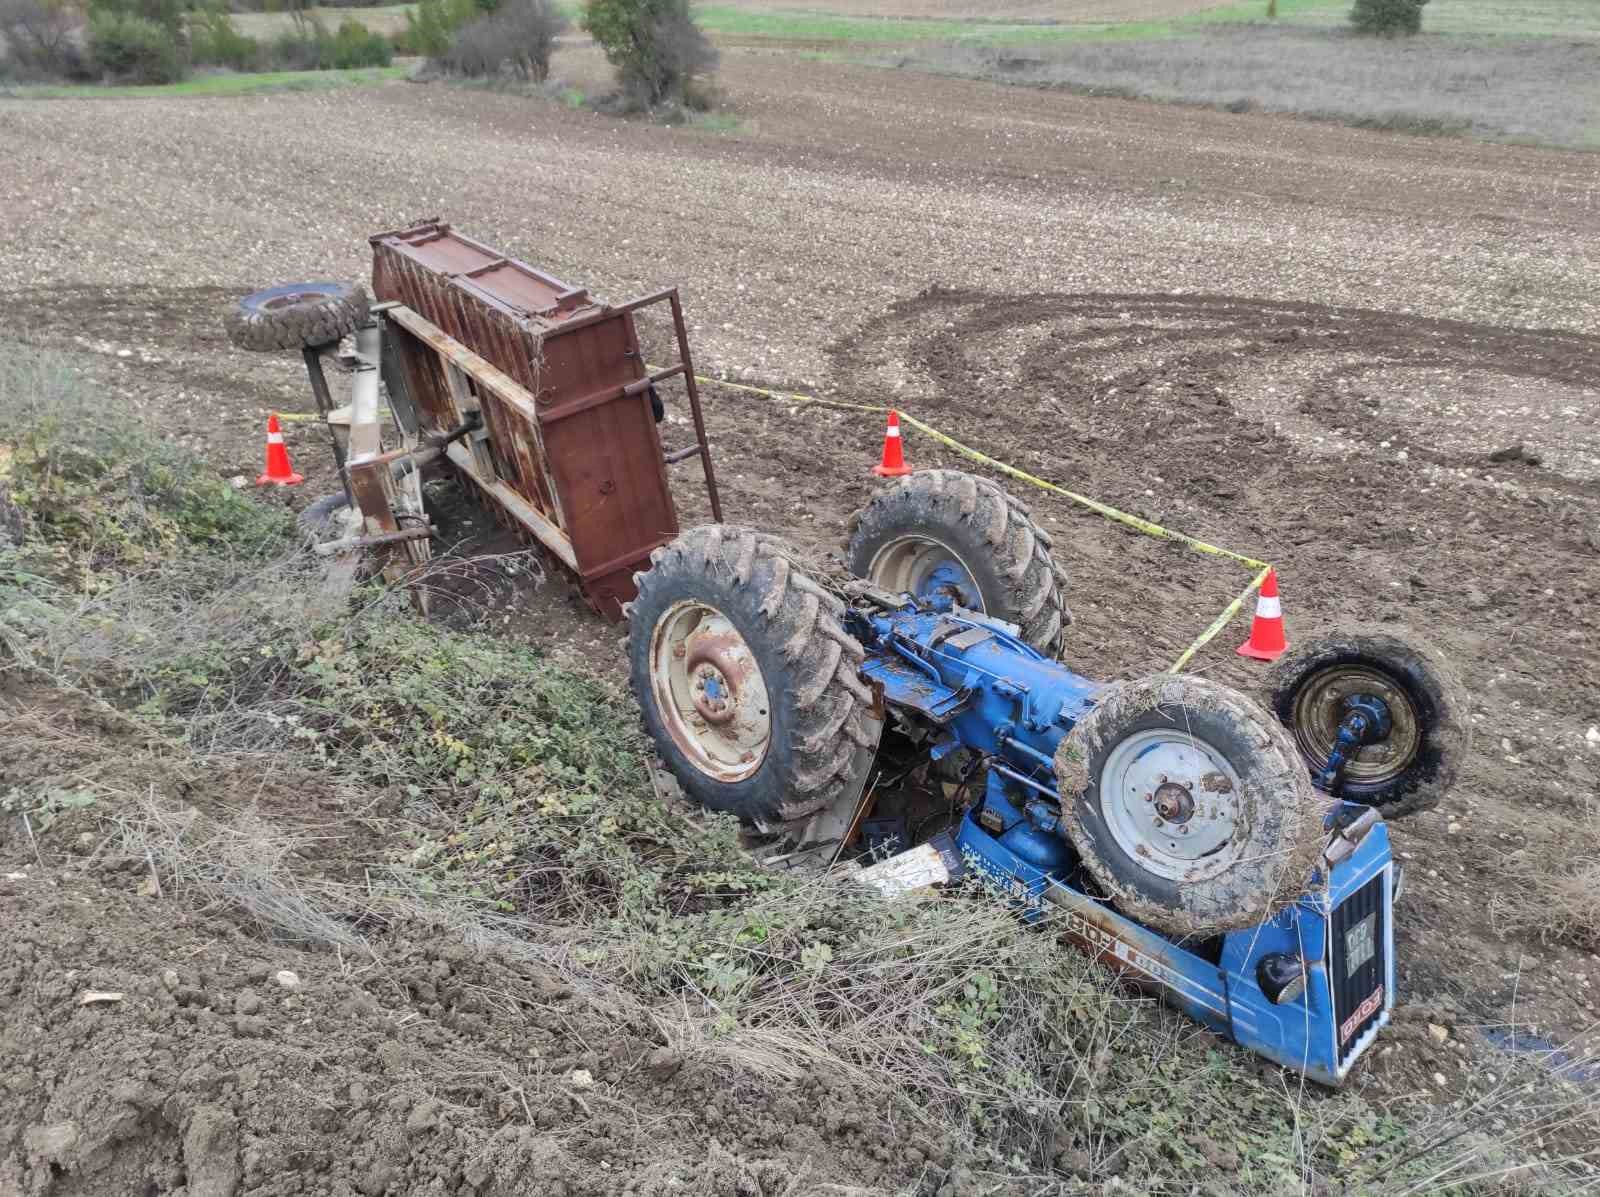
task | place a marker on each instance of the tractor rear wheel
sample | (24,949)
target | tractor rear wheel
(949,532)
(1428,733)
(1189,805)
(296,316)
(746,678)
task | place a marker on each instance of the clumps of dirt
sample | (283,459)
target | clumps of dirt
(233,1066)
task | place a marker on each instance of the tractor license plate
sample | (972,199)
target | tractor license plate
(1360,944)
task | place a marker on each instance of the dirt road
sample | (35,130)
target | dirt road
(1318,345)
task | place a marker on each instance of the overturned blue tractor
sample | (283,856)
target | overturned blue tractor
(1231,857)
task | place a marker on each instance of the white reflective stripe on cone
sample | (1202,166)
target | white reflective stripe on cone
(1267,607)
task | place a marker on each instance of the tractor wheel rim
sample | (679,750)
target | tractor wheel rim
(710,691)
(1174,804)
(1319,708)
(925,568)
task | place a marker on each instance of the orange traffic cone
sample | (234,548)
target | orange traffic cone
(278,468)
(893,464)
(1267,641)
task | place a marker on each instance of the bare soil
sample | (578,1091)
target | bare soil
(1371,358)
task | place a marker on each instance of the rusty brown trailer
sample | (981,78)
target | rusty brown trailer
(537,394)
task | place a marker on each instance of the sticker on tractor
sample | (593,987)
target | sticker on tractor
(1360,944)
(1104,943)
(1362,1012)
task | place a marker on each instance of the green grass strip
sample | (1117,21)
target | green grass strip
(215,85)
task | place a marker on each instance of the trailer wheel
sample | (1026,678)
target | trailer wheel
(948,532)
(296,316)
(1429,733)
(745,677)
(1189,805)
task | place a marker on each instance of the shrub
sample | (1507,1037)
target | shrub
(313,48)
(135,49)
(430,26)
(357,46)
(168,14)
(1388,17)
(516,39)
(39,37)
(100,493)
(655,46)
(214,41)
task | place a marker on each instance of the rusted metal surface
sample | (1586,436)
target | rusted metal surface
(566,450)
(710,690)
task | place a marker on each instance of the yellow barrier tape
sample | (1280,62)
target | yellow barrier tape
(1137,523)
(1220,621)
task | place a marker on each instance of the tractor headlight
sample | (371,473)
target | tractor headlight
(1282,977)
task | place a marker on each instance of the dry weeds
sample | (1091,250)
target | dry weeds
(1554,892)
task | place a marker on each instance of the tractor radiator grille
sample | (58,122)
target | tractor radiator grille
(1357,964)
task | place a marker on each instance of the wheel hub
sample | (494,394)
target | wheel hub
(710,691)
(1174,803)
(925,568)
(715,696)
(1394,734)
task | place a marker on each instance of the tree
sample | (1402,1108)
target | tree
(40,35)
(655,45)
(1388,17)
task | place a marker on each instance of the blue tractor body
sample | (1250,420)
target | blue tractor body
(1308,988)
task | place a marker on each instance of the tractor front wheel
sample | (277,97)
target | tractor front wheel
(1425,731)
(1189,805)
(746,678)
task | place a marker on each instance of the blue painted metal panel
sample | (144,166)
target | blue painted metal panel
(1300,1034)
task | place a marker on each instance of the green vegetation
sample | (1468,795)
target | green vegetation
(1498,18)
(135,48)
(432,23)
(828,27)
(103,493)
(157,42)
(1387,17)
(213,85)
(660,54)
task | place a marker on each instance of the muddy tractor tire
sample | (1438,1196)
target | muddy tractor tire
(1429,734)
(746,679)
(296,316)
(1189,805)
(945,531)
